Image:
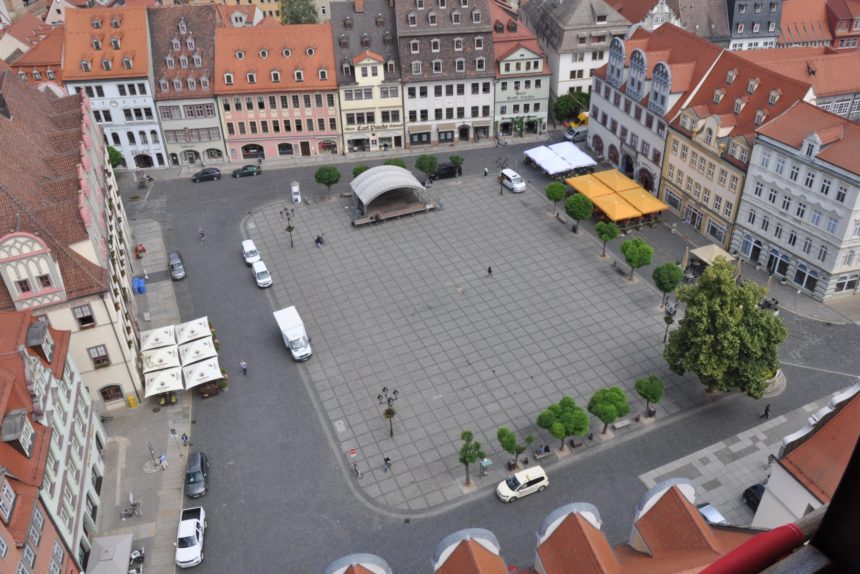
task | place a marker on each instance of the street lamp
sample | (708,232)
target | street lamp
(288,213)
(388,398)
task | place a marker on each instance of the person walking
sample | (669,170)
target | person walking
(184,438)
(766,414)
(244,366)
(490,272)
(486,172)
(201,233)
(386,464)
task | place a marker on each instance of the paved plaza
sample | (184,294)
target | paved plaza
(408,304)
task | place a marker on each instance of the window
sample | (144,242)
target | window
(843,283)
(84,316)
(792,238)
(832,224)
(228,79)
(786,202)
(765,222)
(722,179)
(4,548)
(840,195)
(480,64)
(825,186)
(795,171)
(276,77)
(99,356)
(416,68)
(816,217)
(822,253)
(252,78)
(684,152)
(751,217)
(801,209)
(780,166)
(810,180)
(299,75)
(479,43)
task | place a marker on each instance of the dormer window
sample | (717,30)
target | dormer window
(127,63)
(204,83)
(419,4)
(718,95)
(380,20)
(323,74)
(182,28)
(760,115)
(16,430)
(387,38)
(435,45)
(163,85)
(810,150)
(177,85)
(198,61)
(455,17)
(192,85)
(310,52)
(50,74)
(601,18)
(264,54)
(739,105)
(299,76)
(114,42)
(183,62)
(443,3)
(240,55)
(464,3)
(412,19)
(512,26)
(37,75)
(752,85)
(476,16)
(730,76)
(774,96)
(276,76)
(343,41)
(170,62)
(96,23)
(431,18)
(22,76)
(709,136)
(286,52)
(189,43)
(345,69)
(107,65)
(498,27)
(347,23)
(365,39)
(252,78)
(116,22)
(97,44)
(228,79)
(175,43)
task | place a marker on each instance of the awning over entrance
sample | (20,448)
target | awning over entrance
(420,129)
(709,253)
(377,180)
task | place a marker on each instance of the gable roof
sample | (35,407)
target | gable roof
(704,18)
(28,29)
(633,10)
(508,40)
(557,22)
(48,52)
(576,541)
(822,67)
(804,21)
(134,43)
(471,557)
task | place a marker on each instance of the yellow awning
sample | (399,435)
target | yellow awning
(643,201)
(588,186)
(616,180)
(616,208)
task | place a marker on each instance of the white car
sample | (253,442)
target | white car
(261,274)
(189,537)
(512,180)
(711,514)
(250,253)
(522,483)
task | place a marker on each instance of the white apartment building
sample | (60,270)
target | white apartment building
(799,215)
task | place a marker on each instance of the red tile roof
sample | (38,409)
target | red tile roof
(819,462)
(804,21)
(829,71)
(133,33)
(633,10)
(577,541)
(46,54)
(357,569)
(28,29)
(509,41)
(470,557)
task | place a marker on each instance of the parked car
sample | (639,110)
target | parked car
(189,537)
(261,274)
(576,135)
(711,514)
(176,266)
(522,483)
(247,170)
(512,180)
(250,253)
(752,496)
(445,170)
(207,174)
(196,475)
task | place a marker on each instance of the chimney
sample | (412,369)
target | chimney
(359,6)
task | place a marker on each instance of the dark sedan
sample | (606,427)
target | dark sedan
(247,170)
(207,174)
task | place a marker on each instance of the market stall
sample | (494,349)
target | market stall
(589,186)
(574,156)
(616,209)
(616,180)
(549,162)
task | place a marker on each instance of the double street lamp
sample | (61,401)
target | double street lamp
(669,318)
(288,213)
(388,399)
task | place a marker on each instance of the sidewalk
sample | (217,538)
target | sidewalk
(136,438)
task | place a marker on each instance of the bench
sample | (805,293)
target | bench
(618,425)
(575,442)
(540,454)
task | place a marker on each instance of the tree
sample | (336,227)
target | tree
(327,176)
(395,161)
(457,160)
(579,208)
(114,156)
(609,405)
(606,231)
(637,253)
(555,192)
(358,170)
(564,419)
(426,164)
(725,337)
(565,107)
(299,12)
(470,452)
(509,443)
(651,389)
(667,276)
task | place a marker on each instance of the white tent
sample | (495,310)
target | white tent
(202,372)
(548,161)
(157,359)
(197,351)
(110,555)
(163,381)
(155,338)
(572,155)
(196,329)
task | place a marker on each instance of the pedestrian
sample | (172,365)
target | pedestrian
(201,233)
(766,414)
(486,172)
(355,470)
(244,366)
(318,242)
(489,272)
(387,464)
(184,438)
(162,460)
(259,161)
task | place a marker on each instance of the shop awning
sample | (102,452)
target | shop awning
(446,127)
(158,359)
(197,350)
(420,129)
(709,253)
(616,208)
(155,338)
(482,123)
(191,330)
(643,201)
(163,381)
(616,180)
(202,372)
(589,186)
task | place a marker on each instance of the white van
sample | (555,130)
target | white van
(512,181)
(293,331)
(249,252)
(261,274)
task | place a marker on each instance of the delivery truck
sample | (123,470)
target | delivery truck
(293,331)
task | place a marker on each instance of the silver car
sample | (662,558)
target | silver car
(176,266)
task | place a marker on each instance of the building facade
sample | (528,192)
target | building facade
(368,75)
(106,56)
(575,37)
(446,62)
(523,77)
(183,58)
(844,19)
(800,213)
(754,24)
(639,92)
(64,249)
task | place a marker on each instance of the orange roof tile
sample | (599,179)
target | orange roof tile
(357,569)
(470,557)
(830,72)
(287,49)
(820,461)
(673,524)
(28,29)
(132,32)
(367,54)
(633,10)
(225,11)
(577,541)
(48,51)
(803,21)
(509,41)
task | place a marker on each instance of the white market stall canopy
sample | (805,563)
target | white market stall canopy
(157,359)
(709,253)
(548,161)
(196,329)
(197,350)
(163,381)
(202,372)
(155,338)
(572,155)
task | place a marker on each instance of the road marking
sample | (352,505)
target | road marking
(840,373)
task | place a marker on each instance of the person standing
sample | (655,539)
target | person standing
(201,233)
(766,414)
(386,464)
(490,272)
(244,366)
(486,172)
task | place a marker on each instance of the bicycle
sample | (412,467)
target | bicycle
(132,510)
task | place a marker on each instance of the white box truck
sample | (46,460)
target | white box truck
(293,331)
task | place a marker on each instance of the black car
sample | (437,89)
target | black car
(445,170)
(247,170)
(196,475)
(752,496)
(207,174)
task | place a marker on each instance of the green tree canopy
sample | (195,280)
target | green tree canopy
(637,253)
(470,452)
(565,107)
(299,12)
(426,164)
(327,176)
(606,231)
(114,156)
(609,405)
(579,208)
(555,192)
(651,389)
(395,161)
(358,170)
(509,443)
(725,337)
(564,419)
(457,160)
(667,276)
